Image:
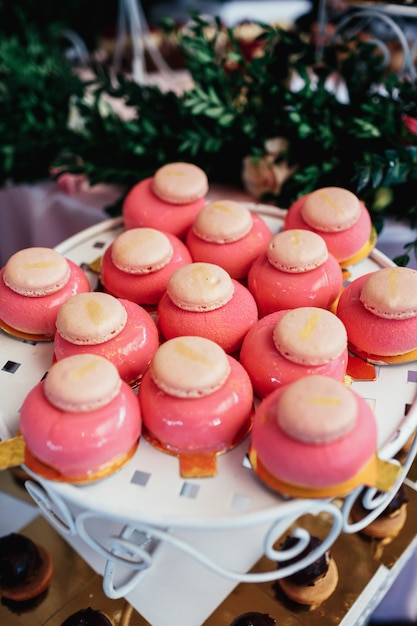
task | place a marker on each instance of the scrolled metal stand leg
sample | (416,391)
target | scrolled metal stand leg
(53,507)
(133,550)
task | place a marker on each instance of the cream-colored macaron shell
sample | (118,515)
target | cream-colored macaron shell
(141,251)
(180,183)
(36,272)
(331,209)
(200,287)
(310,336)
(223,221)
(83,382)
(91,318)
(189,367)
(391,293)
(316,410)
(297,251)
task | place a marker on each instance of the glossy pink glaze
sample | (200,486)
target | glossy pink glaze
(142,207)
(37,315)
(312,465)
(226,325)
(145,289)
(78,444)
(130,351)
(344,244)
(274,289)
(370,333)
(235,257)
(212,423)
(266,366)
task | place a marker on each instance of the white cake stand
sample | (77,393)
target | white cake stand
(224,524)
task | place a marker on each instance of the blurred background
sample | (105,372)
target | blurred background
(92,19)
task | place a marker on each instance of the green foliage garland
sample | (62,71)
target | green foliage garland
(366,142)
(36,85)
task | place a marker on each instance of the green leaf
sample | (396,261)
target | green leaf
(226,119)
(198,107)
(214,112)
(402,260)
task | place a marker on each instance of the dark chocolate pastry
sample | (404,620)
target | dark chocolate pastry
(389,522)
(25,568)
(313,584)
(308,575)
(400,498)
(88,617)
(253,618)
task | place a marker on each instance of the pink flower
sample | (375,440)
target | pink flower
(265,175)
(70,183)
(410,123)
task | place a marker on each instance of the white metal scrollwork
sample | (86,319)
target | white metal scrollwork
(133,550)
(53,507)
(363,19)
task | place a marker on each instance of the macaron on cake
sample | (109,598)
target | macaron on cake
(340,218)
(169,200)
(34,283)
(117,329)
(196,402)
(139,262)
(202,299)
(81,422)
(287,345)
(316,437)
(296,270)
(379,311)
(226,233)
(314,584)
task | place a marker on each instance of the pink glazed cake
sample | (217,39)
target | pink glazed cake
(226,233)
(167,201)
(139,263)
(379,311)
(202,299)
(314,437)
(195,399)
(296,270)
(119,330)
(34,283)
(287,345)
(337,215)
(82,422)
